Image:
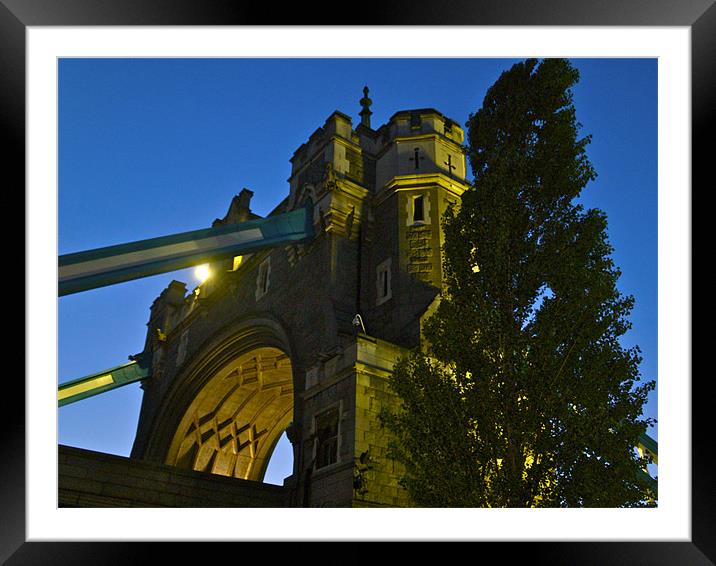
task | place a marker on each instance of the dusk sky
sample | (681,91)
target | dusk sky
(153,147)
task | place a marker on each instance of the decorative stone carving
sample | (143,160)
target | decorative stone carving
(230,427)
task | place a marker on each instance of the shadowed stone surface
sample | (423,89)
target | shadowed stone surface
(93,479)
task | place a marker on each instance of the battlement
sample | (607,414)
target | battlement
(337,124)
(414,141)
(409,123)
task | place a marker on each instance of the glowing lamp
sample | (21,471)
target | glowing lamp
(202,272)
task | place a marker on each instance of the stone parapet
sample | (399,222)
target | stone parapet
(93,479)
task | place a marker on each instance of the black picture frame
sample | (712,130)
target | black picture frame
(698,15)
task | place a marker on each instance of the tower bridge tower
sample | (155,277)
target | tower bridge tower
(303,338)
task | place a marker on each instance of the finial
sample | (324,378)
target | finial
(365,113)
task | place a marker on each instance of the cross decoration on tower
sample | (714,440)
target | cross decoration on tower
(418,158)
(449,164)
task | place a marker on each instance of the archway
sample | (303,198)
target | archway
(234,422)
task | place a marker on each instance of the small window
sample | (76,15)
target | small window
(418,209)
(326,424)
(383,283)
(181,352)
(263,279)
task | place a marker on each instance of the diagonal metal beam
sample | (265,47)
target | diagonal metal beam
(100,267)
(91,385)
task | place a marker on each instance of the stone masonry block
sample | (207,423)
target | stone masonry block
(80,485)
(74,471)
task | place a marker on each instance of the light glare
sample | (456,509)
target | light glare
(202,272)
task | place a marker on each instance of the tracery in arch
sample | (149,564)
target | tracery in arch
(234,422)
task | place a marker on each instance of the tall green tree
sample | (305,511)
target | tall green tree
(524,396)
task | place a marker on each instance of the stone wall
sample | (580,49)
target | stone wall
(379,474)
(93,479)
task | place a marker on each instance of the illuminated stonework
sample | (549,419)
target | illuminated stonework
(270,343)
(235,421)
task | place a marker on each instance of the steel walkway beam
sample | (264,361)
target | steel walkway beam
(97,383)
(91,269)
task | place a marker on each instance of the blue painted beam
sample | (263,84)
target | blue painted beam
(91,385)
(91,269)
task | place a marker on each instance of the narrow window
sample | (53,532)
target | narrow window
(263,278)
(326,424)
(383,287)
(181,352)
(418,209)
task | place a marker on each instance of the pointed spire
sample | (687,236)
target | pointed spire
(365,113)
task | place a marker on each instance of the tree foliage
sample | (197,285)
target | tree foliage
(524,396)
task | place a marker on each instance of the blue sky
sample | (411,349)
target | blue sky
(151,147)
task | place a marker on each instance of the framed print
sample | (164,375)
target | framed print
(37,35)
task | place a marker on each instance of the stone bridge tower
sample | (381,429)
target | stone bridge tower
(303,338)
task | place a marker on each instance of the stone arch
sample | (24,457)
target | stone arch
(227,409)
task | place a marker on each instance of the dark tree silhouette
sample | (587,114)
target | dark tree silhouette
(523,395)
